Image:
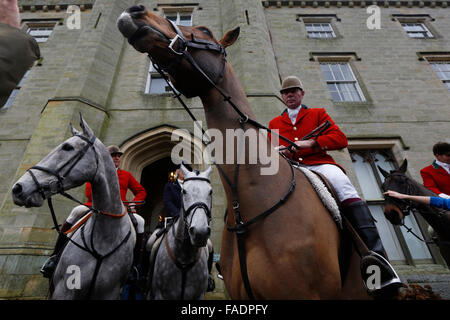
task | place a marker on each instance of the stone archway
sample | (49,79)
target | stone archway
(148,156)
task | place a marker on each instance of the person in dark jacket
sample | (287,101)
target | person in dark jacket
(18,50)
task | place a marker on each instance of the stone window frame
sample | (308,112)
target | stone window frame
(436,58)
(395,146)
(351,58)
(28,24)
(424,19)
(330,19)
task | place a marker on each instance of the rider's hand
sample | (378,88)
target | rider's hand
(132,206)
(303,144)
(394,194)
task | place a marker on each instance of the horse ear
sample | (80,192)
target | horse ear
(230,37)
(403,167)
(86,130)
(383,172)
(185,171)
(207,172)
(73,130)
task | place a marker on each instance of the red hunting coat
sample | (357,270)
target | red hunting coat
(126,181)
(436,179)
(307,120)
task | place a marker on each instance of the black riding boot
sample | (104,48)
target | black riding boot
(380,278)
(361,219)
(211,283)
(50,265)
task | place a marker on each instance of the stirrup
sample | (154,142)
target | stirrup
(379,277)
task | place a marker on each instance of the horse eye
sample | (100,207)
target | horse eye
(67,147)
(210,192)
(206,31)
(184,191)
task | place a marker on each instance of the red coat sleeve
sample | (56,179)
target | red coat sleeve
(88,193)
(429,182)
(333,138)
(138,190)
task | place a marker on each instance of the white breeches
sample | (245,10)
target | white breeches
(79,211)
(338,179)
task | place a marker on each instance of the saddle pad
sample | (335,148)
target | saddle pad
(324,195)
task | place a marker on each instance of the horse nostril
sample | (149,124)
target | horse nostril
(138,8)
(17,189)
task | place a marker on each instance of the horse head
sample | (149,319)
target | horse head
(197,202)
(190,55)
(69,165)
(395,210)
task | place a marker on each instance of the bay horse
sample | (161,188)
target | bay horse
(396,209)
(181,263)
(98,257)
(291,253)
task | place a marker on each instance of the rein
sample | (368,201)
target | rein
(240,227)
(60,190)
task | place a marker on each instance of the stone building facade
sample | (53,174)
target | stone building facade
(382,80)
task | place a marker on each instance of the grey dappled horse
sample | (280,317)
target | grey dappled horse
(96,261)
(181,271)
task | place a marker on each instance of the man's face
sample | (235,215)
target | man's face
(292,97)
(445,158)
(116,159)
(180,174)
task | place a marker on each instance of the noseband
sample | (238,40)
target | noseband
(404,205)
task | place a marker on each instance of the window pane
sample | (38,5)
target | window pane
(366,178)
(10,100)
(417,248)
(387,234)
(384,163)
(157,85)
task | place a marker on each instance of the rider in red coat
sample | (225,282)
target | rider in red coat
(310,119)
(126,181)
(298,121)
(436,177)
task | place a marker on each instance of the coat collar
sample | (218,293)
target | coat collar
(301,114)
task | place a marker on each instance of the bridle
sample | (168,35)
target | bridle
(59,189)
(189,212)
(185,267)
(182,52)
(404,205)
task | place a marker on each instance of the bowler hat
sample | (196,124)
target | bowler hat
(114,150)
(291,82)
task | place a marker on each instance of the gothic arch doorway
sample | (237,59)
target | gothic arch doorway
(148,156)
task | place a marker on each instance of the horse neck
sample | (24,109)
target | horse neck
(220,115)
(105,187)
